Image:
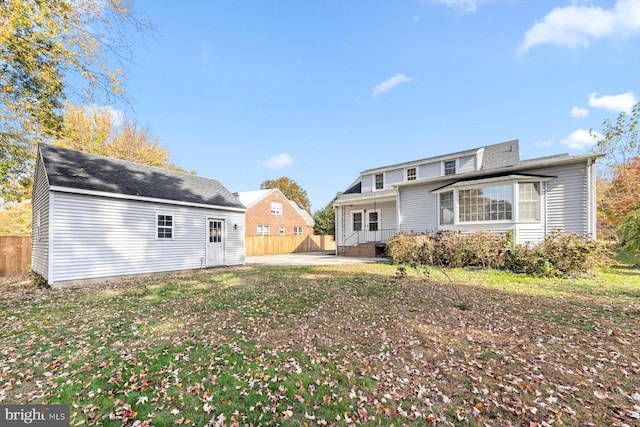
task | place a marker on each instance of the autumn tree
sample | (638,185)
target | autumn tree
(93,130)
(619,195)
(43,46)
(15,219)
(325,218)
(290,189)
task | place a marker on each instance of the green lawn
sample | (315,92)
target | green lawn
(333,345)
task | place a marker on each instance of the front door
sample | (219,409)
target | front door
(215,242)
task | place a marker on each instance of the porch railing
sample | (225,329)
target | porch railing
(378,236)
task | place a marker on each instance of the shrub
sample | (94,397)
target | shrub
(452,249)
(410,248)
(560,254)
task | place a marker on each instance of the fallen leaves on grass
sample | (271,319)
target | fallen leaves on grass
(319,346)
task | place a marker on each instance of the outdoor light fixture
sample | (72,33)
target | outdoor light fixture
(235,226)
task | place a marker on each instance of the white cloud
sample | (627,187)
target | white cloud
(547,143)
(117,116)
(279,161)
(579,112)
(623,102)
(465,5)
(389,84)
(580,139)
(575,26)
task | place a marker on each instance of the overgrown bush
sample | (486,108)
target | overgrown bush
(480,249)
(452,249)
(410,248)
(561,254)
(558,254)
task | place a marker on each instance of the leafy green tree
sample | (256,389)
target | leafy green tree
(290,189)
(43,46)
(325,218)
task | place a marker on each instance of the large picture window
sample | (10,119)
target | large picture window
(529,201)
(486,204)
(446,208)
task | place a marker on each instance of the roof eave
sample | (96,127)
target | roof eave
(142,198)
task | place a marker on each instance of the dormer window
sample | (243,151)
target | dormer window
(379,181)
(449,167)
(411,174)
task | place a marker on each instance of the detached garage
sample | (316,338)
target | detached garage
(97,218)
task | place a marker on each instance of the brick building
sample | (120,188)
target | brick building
(270,213)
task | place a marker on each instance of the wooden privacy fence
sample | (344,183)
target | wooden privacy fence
(15,255)
(271,245)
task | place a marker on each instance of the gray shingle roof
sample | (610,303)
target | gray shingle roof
(78,170)
(500,155)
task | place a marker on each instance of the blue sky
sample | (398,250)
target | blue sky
(244,91)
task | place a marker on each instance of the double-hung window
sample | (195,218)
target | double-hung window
(164,226)
(449,167)
(411,174)
(276,208)
(374,221)
(357,221)
(297,231)
(282,230)
(446,207)
(263,230)
(379,181)
(529,201)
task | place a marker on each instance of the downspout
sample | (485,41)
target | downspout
(546,209)
(591,197)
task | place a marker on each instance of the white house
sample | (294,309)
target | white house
(96,218)
(486,188)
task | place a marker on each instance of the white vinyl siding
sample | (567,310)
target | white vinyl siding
(429,170)
(467,164)
(368,182)
(418,209)
(40,208)
(96,237)
(567,198)
(393,176)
